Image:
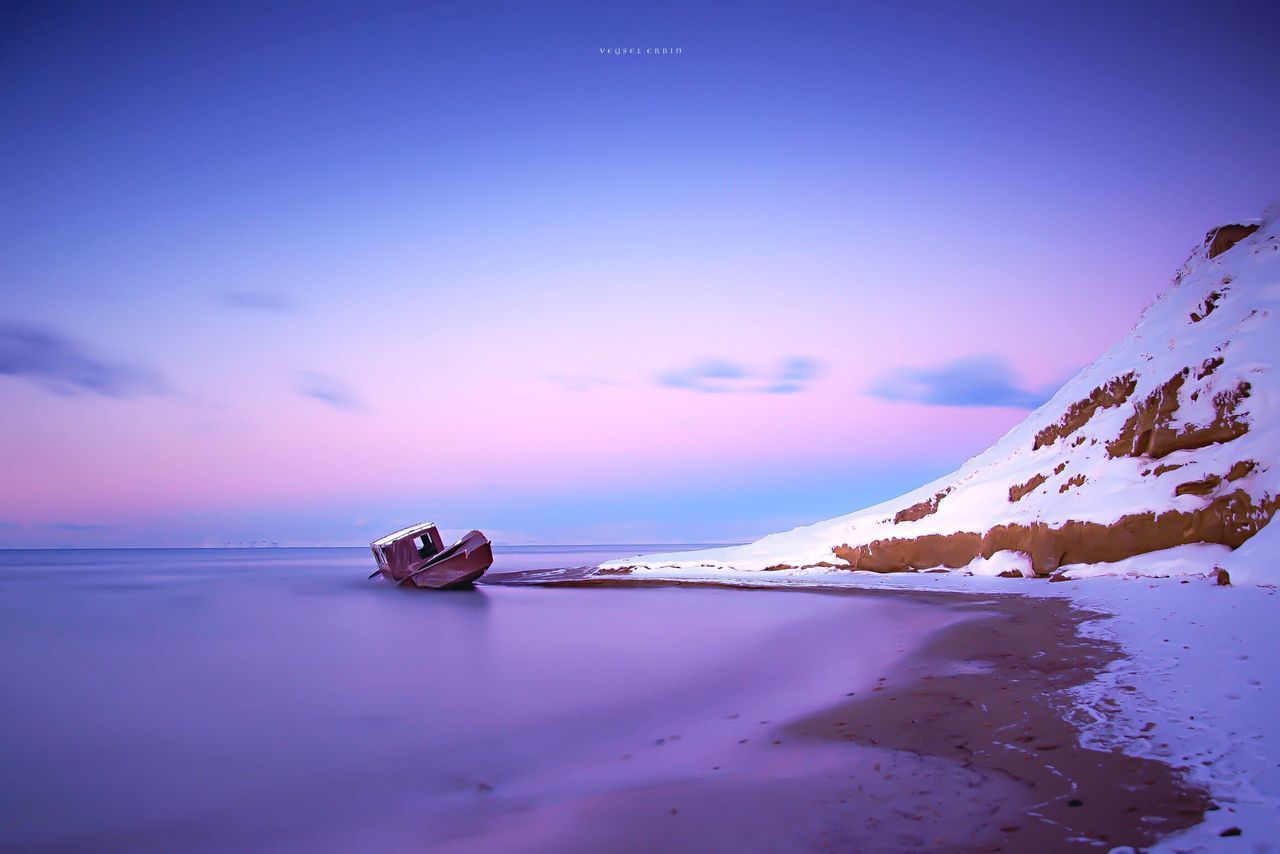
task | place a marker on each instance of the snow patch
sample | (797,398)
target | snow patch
(1003,563)
(1192,559)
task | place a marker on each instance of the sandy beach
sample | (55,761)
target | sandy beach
(996,713)
(969,742)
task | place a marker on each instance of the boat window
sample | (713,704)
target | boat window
(424,545)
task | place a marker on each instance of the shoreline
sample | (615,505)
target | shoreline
(1002,719)
(989,694)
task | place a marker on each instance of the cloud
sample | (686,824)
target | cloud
(329,390)
(969,381)
(711,375)
(793,375)
(58,364)
(75,526)
(718,376)
(6,525)
(259,301)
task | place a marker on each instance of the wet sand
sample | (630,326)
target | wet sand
(1006,721)
(970,748)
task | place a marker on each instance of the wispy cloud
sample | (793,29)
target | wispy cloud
(329,390)
(719,376)
(75,526)
(709,375)
(793,375)
(6,525)
(58,364)
(969,381)
(259,301)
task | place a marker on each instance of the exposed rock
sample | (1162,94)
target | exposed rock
(1148,431)
(1017,491)
(1204,486)
(1206,308)
(1228,519)
(898,554)
(1241,469)
(1166,467)
(918,511)
(1208,366)
(1074,481)
(1156,410)
(1224,237)
(1113,392)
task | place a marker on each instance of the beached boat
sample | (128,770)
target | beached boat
(417,556)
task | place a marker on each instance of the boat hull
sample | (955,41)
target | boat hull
(458,570)
(416,557)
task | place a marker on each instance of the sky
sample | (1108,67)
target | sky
(304,273)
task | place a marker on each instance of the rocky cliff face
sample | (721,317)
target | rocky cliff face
(1163,453)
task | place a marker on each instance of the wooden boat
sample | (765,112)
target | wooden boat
(417,556)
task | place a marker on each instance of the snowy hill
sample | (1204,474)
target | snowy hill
(1161,458)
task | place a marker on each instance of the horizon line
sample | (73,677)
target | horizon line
(281,548)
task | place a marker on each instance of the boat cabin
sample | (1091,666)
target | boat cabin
(417,555)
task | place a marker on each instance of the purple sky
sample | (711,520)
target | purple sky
(304,273)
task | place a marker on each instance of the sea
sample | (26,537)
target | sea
(278,699)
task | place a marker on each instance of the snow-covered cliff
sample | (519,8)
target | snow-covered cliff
(1160,458)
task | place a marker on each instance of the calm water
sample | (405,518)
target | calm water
(258,699)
